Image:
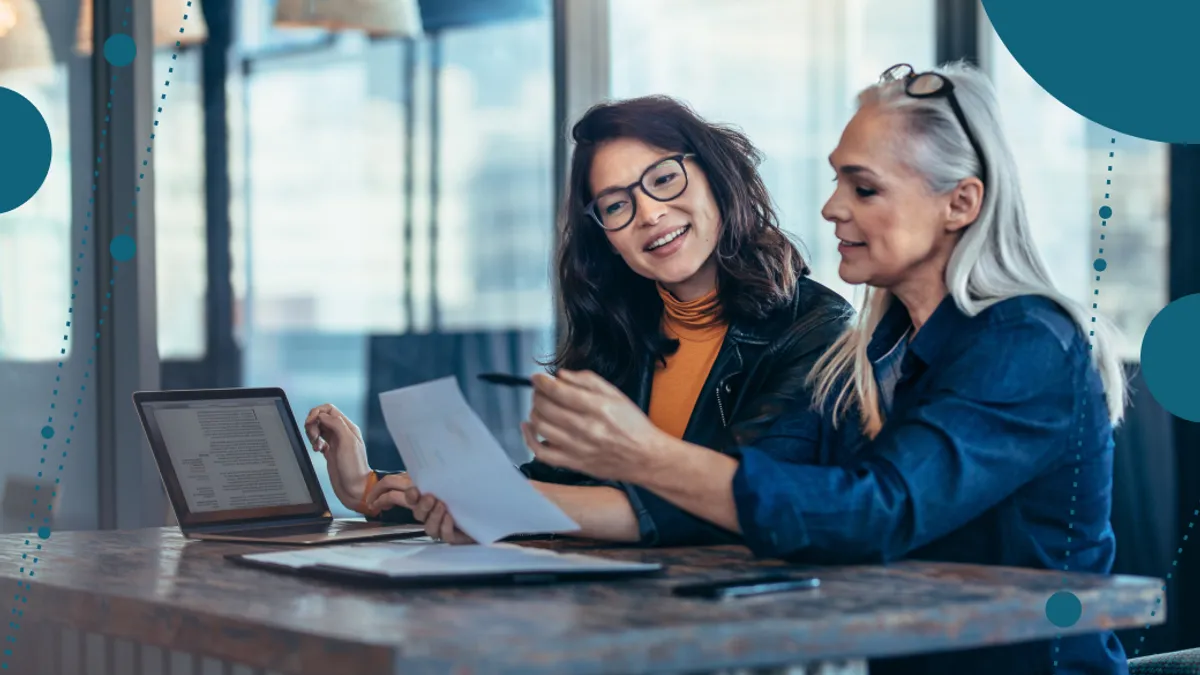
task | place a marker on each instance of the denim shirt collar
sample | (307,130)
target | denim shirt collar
(945,322)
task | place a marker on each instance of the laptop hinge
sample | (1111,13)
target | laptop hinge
(224,528)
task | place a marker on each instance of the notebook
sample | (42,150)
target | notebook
(408,562)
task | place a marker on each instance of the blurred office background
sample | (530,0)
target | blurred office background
(340,205)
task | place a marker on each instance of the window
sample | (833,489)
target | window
(47,291)
(496,203)
(360,194)
(36,266)
(785,71)
(179,208)
(1063,161)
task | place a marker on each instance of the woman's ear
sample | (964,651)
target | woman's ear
(965,204)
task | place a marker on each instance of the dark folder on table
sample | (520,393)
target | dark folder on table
(409,562)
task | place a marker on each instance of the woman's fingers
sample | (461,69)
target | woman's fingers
(412,495)
(399,482)
(447,529)
(311,426)
(554,457)
(313,423)
(586,379)
(566,394)
(554,411)
(531,441)
(387,500)
(433,524)
(424,506)
(553,433)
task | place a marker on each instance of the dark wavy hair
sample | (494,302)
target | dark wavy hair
(612,314)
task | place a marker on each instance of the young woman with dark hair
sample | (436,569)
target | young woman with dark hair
(679,288)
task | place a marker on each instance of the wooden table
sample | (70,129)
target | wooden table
(149,602)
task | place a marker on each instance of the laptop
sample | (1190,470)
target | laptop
(236,468)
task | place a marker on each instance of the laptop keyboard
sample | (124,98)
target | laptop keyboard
(315,528)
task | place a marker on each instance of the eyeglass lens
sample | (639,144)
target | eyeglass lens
(662,182)
(926,84)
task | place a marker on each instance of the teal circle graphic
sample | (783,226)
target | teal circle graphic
(119,50)
(25,159)
(1100,264)
(47,432)
(44,532)
(123,247)
(1081,52)
(1064,609)
(1105,212)
(1170,360)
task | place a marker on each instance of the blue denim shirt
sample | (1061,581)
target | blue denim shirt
(996,449)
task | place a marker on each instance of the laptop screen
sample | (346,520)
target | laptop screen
(230,459)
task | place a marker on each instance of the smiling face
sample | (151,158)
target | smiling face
(892,229)
(671,242)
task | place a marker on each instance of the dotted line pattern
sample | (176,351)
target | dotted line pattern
(1100,265)
(122,248)
(1064,596)
(1170,577)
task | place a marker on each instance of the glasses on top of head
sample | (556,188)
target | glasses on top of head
(613,209)
(931,85)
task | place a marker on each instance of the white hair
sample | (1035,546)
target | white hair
(995,259)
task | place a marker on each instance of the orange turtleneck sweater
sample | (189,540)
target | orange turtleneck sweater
(676,387)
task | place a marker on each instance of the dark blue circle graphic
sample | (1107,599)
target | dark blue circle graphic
(119,50)
(25,159)
(1078,51)
(47,432)
(123,247)
(1105,212)
(1169,358)
(44,532)
(1100,264)
(1064,609)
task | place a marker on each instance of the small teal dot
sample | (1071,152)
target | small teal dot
(25,162)
(1105,212)
(123,247)
(120,50)
(1100,264)
(44,532)
(1064,609)
(47,432)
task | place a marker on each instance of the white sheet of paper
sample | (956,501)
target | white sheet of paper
(397,560)
(450,453)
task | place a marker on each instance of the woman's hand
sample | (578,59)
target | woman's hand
(398,490)
(337,438)
(590,426)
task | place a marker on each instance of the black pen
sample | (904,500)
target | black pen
(506,380)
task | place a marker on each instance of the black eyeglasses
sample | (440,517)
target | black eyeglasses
(614,208)
(932,85)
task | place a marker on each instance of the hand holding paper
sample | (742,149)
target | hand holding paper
(450,454)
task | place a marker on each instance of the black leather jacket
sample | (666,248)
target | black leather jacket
(759,373)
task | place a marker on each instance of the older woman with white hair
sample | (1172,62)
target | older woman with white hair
(986,399)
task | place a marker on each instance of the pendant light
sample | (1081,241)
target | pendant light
(378,18)
(24,42)
(168,19)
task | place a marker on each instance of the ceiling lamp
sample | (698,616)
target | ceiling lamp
(168,19)
(24,42)
(393,18)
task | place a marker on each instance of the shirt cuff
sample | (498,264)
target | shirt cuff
(647,530)
(769,527)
